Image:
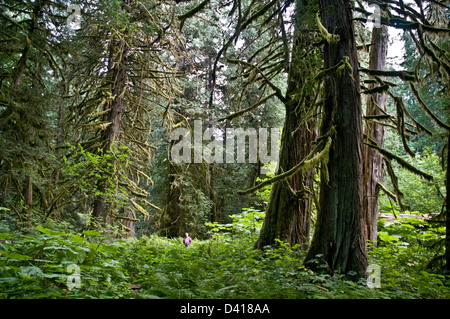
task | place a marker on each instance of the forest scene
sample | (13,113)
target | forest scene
(224,149)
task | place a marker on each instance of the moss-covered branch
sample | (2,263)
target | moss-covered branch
(318,155)
(404,75)
(427,109)
(391,156)
(256,71)
(248,109)
(192,12)
(331,38)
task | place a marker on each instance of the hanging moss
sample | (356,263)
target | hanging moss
(391,156)
(401,124)
(427,109)
(342,68)
(378,89)
(345,68)
(331,38)
(387,191)
(319,155)
(394,180)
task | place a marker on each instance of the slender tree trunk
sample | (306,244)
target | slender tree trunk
(28,199)
(288,212)
(216,200)
(59,138)
(29,139)
(20,70)
(373,160)
(339,237)
(21,66)
(28,189)
(172,221)
(447,209)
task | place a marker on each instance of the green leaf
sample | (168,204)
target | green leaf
(31,271)
(9,279)
(387,238)
(92,233)
(14,256)
(5,236)
(51,232)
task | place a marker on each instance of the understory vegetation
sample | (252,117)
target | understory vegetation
(224,266)
(303,145)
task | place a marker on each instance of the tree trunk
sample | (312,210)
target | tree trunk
(21,66)
(339,237)
(373,160)
(28,189)
(216,200)
(172,221)
(289,209)
(288,212)
(447,209)
(101,209)
(28,200)
(59,138)
(20,70)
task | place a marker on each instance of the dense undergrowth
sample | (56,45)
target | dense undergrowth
(226,266)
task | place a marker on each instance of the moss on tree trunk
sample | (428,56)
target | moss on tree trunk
(339,237)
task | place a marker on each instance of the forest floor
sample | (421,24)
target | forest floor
(393,217)
(228,266)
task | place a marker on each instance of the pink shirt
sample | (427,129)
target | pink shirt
(187,240)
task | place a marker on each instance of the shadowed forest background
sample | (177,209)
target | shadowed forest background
(93,204)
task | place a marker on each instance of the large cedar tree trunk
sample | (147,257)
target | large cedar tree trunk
(339,237)
(288,212)
(373,160)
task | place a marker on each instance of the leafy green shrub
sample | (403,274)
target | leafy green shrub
(83,169)
(247,223)
(419,195)
(405,249)
(35,266)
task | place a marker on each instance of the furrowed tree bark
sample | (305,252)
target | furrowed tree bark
(101,209)
(373,160)
(288,212)
(289,209)
(339,237)
(447,209)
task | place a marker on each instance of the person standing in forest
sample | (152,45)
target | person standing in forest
(187,241)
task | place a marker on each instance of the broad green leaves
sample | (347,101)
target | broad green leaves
(228,266)
(36,266)
(248,222)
